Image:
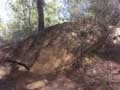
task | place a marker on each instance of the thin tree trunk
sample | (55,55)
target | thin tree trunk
(29,18)
(40,15)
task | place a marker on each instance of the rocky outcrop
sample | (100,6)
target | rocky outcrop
(57,48)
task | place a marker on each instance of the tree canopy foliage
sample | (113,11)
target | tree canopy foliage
(24,21)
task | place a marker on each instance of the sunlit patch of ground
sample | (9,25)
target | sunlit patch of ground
(4,71)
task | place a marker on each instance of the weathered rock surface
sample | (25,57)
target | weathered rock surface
(56,48)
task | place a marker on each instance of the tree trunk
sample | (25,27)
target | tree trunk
(40,15)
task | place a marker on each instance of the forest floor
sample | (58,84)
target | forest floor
(100,73)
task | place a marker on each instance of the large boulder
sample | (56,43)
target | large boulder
(57,48)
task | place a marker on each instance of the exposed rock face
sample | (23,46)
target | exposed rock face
(56,48)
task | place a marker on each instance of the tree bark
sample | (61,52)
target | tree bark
(40,15)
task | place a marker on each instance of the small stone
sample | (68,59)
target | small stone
(36,85)
(4,71)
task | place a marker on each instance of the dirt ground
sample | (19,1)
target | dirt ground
(98,75)
(101,72)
